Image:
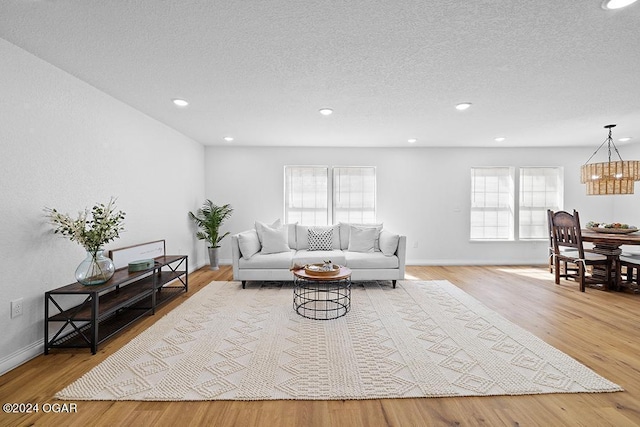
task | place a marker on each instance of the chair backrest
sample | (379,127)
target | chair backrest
(565,231)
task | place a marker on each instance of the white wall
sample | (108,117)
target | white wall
(66,145)
(423,193)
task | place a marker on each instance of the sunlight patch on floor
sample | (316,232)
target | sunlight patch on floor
(534,273)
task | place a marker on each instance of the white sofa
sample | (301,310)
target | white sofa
(268,251)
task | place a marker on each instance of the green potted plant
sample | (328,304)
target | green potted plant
(209,218)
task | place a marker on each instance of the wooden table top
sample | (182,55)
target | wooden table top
(343,273)
(609,238)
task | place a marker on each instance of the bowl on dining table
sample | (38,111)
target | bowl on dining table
(611,228)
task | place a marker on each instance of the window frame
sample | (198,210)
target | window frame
(542,210)
(335,211)
(287,205)
(509,208)
(331,194)
(518,203)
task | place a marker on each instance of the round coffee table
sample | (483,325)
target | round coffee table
(322,297)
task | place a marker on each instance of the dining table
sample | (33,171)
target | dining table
(608,242)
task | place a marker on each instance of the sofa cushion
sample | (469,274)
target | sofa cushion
(371,260)
(388,242)
(249,243)
(274,240)
(345,229)
(304,256)
(302,235)
(362,239)
(281,260)
(320,240)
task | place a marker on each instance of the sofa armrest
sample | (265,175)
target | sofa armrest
(235,255)
(401,253)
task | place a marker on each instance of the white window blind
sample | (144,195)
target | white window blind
(541,188)
(306,194)
(354,194)
(492,203)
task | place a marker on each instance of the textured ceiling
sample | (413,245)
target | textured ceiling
(540,73)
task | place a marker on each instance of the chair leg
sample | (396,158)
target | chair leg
(244,282)
(556,265)
(630,274)
(582,271)
(394,284)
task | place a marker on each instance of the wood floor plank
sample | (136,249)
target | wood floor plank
(597,328)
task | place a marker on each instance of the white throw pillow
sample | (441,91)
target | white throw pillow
(320,240)
(260,226)
(344,233)
(362,239)
(249,243)
(291,231)
(274,240)
(388,242)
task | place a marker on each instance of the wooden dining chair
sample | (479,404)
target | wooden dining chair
(565,267)
(631,262)
(565,234)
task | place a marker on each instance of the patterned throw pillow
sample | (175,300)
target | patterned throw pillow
(320,240)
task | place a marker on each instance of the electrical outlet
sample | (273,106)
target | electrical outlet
(16,308)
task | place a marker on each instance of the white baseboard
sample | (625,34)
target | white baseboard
(436,262)
(21,356)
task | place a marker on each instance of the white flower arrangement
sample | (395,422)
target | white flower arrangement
(92,229)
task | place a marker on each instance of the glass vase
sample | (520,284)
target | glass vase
(96,269)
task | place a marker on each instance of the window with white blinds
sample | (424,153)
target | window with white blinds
(306,194)
(541,188)
(492,203)
(354,194)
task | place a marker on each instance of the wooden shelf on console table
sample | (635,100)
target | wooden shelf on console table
(109,308)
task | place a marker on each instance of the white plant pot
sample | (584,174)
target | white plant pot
(213,258)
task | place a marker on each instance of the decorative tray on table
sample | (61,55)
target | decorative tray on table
(321,269)
(614,228)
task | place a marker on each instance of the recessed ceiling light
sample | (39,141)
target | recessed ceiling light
(625,139)
(412,140)
(228,138)
(616,4)
(463,106)
(180,102)
(326,111)
(499,139)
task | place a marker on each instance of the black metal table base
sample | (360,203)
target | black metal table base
(322,300)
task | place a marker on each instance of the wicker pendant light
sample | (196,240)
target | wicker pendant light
(612,177)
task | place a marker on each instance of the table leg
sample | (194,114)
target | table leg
(613,257)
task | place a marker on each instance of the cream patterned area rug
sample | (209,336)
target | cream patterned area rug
(422,339)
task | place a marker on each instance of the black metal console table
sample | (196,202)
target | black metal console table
(86,316)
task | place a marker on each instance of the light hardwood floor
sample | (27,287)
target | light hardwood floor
(599,329)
